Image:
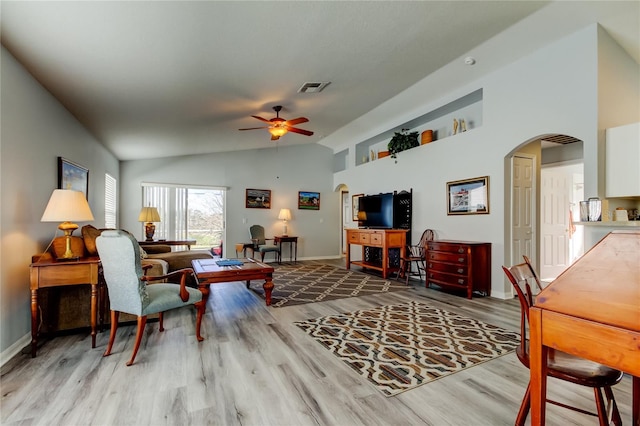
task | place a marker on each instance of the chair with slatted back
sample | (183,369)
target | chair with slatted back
(533,272)
(415,255)
(561,365)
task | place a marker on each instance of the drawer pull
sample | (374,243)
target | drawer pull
(460,270)
(430,275)
(460,250)
(430,265)
(461,259)
(460,281)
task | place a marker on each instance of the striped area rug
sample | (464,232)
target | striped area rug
(308,282)
(400,347)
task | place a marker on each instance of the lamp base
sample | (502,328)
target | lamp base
(149,230)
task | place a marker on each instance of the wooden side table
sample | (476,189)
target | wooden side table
(53,273)
(293,250)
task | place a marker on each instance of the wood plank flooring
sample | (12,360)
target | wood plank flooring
(256,368)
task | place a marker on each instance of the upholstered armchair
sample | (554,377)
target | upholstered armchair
(260,242)
(128,290)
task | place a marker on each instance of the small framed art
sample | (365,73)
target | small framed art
(73,176)
(308,200)
(469,196)
(258,198)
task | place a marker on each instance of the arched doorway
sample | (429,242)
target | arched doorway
(541,197)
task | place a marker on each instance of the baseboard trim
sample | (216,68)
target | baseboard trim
(15,349)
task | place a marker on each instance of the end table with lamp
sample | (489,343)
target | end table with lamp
(293,245)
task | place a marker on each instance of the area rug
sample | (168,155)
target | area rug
(309,282)
(400,347)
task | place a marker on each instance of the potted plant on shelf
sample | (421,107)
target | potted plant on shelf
(402,141)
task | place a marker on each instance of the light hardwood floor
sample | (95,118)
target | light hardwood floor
(257,368)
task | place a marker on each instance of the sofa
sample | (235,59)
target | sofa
(160,257)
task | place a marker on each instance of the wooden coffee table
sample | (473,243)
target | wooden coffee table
(208,272)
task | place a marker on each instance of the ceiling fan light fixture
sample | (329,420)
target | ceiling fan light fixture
(277,131)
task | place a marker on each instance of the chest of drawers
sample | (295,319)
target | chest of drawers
(462,265)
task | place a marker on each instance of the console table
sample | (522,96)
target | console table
(293,250)
(52,273)
(187,243)
(383,239)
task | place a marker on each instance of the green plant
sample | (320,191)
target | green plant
(402,141)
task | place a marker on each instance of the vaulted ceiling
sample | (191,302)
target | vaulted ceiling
(166,78)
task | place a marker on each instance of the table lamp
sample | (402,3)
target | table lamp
(284,215)
(149,215)
(67,205)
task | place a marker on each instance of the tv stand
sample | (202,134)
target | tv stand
(383,239)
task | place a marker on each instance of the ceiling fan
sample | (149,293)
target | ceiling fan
(279,126)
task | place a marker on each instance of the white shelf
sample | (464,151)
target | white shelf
(612,224)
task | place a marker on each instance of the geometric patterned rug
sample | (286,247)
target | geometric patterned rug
(400,347)
(316,282)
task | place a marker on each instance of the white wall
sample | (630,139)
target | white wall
(283,170)
(553,90)
(36,129)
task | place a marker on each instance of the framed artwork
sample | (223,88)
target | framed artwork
(73,176)
(308,200)
(469,196)
(258,198)
(355,206)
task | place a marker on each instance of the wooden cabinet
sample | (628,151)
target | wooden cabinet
(381,248)
(462,265)
(622,174)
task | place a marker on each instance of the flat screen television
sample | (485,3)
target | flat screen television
(378,209)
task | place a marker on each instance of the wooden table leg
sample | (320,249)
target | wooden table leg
(34,322)
(94,313)
(268,288)
(538,368)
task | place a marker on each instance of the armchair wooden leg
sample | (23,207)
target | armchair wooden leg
(112,334)
(524,407)
(142,321)
(161,320)
(200,307)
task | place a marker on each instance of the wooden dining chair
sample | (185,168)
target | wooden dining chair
(415,255)
(561,365)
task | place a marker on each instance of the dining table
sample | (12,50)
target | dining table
(592,310)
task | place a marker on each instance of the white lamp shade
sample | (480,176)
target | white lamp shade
(67,205)
(285,214)
(149,214)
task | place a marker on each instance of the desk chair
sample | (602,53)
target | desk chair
(129,292)
(256,233)
(561,365)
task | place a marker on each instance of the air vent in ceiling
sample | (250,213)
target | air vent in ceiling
(561,139)
(315,87)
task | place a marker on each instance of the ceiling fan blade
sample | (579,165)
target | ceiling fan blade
(255,128)
(301,131)
(297,121)
(261,119)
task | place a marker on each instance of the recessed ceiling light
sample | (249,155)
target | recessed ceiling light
(469,60)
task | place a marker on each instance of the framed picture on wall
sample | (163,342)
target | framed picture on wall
(258,198)
(73,176)
(308,200)
(469,196)
(355,206)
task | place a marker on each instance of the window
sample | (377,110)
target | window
(188,212)
(110,201)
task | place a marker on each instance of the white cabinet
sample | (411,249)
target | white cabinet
(622,163)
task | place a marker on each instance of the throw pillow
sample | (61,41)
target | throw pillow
(89,234)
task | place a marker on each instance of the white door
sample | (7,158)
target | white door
(522,205)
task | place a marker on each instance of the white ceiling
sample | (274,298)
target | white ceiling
(166,78)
